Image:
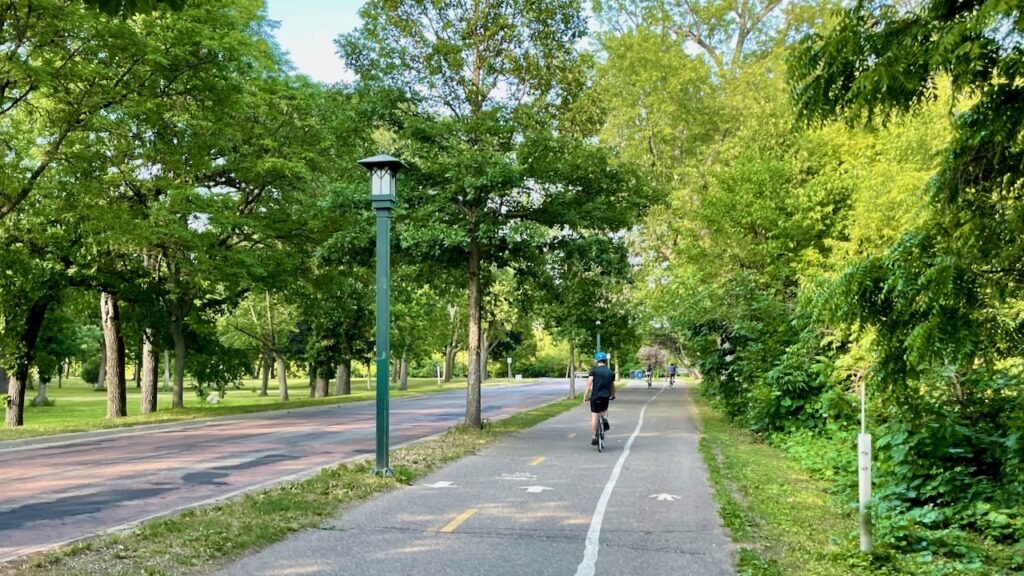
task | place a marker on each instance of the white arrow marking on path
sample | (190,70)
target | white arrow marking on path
(536,489)
(440,484)
(663,496)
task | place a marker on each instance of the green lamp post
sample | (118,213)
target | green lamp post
(598,336)
(383,175)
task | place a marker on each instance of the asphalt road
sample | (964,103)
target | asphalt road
(60,489)
(542,502)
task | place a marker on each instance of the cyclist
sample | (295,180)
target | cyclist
(672,374)
(649,374)
(600,389)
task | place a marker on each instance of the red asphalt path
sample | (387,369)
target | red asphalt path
(59,490)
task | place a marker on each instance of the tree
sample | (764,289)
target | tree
(267,321)
(497,149)
(58,341)
(942,302)
(580,285)
(67,67)
(726,31)
(654,356)
(419,318)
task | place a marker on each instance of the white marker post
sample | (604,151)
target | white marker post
(864,476)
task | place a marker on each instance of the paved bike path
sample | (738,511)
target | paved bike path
(540,502)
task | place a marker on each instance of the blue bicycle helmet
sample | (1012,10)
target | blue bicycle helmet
(600,357)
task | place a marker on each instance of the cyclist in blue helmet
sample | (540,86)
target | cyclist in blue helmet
(600,389)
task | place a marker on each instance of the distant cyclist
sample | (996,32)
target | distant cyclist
(600,389)
(649,374)
(672,374)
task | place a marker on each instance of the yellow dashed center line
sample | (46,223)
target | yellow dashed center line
(536,460)
(451,526)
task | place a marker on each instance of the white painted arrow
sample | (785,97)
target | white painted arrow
(536,489)
(663,496)
(440,484)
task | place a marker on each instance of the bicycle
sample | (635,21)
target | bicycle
(600,433)
(671,379)
(650,377)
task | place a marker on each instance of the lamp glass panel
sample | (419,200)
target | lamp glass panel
(382,182)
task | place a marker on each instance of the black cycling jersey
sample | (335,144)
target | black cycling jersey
(604,378)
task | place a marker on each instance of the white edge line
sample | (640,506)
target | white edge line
(586,566)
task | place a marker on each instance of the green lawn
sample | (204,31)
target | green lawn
(78,407)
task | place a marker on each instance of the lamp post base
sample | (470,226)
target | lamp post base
(384,472)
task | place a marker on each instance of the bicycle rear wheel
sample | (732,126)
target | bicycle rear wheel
(600,434)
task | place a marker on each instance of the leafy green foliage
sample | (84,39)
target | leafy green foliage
(129,7)
(797,260)
(498,134)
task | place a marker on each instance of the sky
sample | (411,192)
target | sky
(307,32)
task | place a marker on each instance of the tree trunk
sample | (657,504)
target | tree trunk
(101,380)
(116,392)
(178,335)
(167,370)
(321,388)
(15,409)
(403,374)
(60,375)
(343,385)
(138,366)
(150,373)
(265,373)
(368,375)
(473,421)
(15,415)
(449,362)
(572,370)
(282,377)
(40,399)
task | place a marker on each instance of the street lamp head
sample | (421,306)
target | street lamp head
(381,161)
(383,169)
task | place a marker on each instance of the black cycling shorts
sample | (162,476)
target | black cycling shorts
(598,405)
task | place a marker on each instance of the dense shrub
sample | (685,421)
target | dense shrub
(543,365)
(91,371)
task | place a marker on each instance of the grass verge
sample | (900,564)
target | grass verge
(200,541)
(783,522)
